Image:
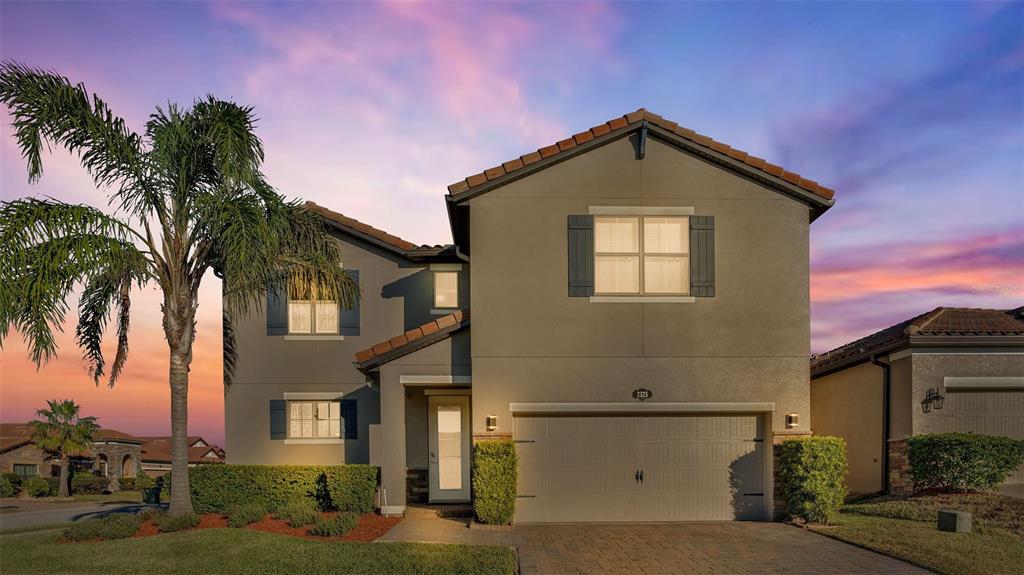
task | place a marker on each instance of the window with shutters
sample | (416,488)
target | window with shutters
(314,420)
(311,315)
(641,255)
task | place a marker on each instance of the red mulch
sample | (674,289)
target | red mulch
(370,527)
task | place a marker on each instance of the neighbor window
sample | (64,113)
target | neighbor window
(314,419)
(641,255)
(25,471)
(446,289)
(311,315)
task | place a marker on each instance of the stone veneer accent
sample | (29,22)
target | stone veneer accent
(901,479)
(417,485)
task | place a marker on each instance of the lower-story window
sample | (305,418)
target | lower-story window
(314,420)
(24,470)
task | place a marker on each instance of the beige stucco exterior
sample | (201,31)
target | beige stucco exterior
(848,404)
(533,343)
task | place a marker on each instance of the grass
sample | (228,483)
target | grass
(906,529)
(244,551)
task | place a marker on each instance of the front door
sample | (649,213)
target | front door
(449,448)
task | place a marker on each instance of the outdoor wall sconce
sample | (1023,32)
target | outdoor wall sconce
(932,399)
(792,420)
(491,422)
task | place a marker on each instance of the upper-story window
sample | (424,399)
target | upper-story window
(308,315)
(636,255)
(446,289)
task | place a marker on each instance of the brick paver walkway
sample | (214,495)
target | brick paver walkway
(669,548)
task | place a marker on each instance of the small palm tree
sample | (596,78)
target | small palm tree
(62,433)
(186,197)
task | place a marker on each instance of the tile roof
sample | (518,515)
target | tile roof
(412,340)
(940,322)
(390,240)
(115,435)
(628,122)
(158,450)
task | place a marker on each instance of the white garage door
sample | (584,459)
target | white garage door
(639,468)
(989,412)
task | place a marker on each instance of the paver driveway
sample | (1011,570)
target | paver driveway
(669,548)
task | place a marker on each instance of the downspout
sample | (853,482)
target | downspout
(885,423)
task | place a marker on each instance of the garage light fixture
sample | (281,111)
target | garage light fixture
(491,422)
(932,399)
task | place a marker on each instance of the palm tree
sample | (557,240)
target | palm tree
(62,433)
(186,197)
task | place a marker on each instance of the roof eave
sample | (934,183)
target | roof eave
(923,342)
(374,363)
(818,204)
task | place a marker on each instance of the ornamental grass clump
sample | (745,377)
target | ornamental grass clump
(117,526)
(298,513)
(336,526)
(246,514)
(171,523)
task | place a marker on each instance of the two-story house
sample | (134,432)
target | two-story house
(640,328)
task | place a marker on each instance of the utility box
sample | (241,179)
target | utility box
(954,521)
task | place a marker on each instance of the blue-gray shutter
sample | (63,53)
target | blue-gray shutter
(581,256)
(278,421)
(277,313)
(350,421)
(702,256)
(348,319)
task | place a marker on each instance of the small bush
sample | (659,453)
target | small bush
(811,471)
(117,526)
(342,487)
(89,484)
(36,486)
(153,513)
(299,513)
(495,473)
(127,483)
(143,482)
(171,523)
(6,489)
(335,526)
(247,514)
(15,480)
(962,461)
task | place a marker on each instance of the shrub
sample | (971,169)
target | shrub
(170,523)
(127,483)
(811,471)
(89,484)
(6,489)
(343,487)
(15,480)
(962,461)
(143,482)
(298,513)
(336,526)
(154,514)
(245,514)
(36,486)
(495,472)
(116,526)
(54,484)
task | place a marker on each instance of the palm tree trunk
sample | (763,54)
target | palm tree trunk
(181,494)
(62,487)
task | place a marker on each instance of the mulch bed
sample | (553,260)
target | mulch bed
(370,527)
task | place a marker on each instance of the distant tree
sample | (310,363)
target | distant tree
(187,197)
(62,432)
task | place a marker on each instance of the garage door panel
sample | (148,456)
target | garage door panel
(579,468)
(988,412)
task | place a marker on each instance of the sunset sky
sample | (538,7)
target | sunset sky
(912,112)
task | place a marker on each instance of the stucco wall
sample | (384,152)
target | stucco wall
(930,369)
(531,342)
(901,402)
(848,404)
(397,296)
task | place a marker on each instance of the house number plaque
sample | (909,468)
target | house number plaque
(642,394)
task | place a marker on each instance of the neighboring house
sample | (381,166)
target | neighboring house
(640,328)
(951,369)
(156,454)
(112,454)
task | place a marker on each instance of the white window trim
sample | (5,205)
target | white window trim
(641,210)
(642,299)
(446,267)
(313,337)
(313,441)
(458,287)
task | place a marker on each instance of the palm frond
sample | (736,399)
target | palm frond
(48,108)
(230,348)
(61,430)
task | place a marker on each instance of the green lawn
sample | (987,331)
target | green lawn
(906,529)
(244,551)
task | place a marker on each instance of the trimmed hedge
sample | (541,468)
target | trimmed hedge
(89,484)
(962,461)
(36,486)
(116,526)
(495,474)
(333,487)
(811,471)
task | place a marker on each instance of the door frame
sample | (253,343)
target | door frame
(435,493)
